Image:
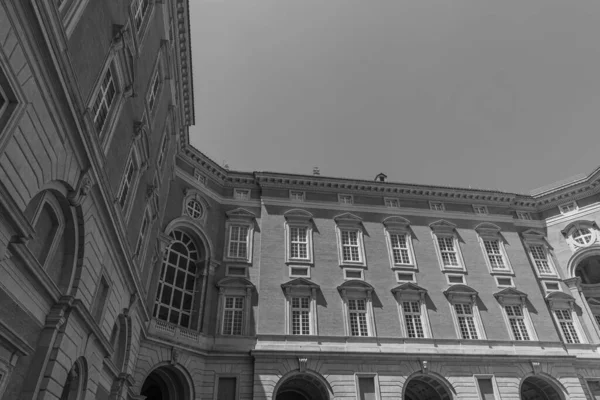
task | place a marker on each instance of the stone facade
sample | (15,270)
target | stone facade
(133,266)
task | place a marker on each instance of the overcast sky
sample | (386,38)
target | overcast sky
(489,94)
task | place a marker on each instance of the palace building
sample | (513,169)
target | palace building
(132,266)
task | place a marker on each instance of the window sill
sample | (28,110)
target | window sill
(346,264)
(299,262)
(410,267)
(502,272)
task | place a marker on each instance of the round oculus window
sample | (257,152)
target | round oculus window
(194,209)
(582,236)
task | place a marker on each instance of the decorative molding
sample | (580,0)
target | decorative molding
(536,367)
(84,186)
(302,364)
(424,367)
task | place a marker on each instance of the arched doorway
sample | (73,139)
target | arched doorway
(425,387)
(166,383)
(589,270)
(302,386)
(537,388)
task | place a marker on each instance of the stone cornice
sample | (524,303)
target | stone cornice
(184,52)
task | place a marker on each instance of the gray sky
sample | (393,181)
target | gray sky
(482,93)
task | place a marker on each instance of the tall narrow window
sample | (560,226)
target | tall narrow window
(494,254)
(104,100)
(400,250)
(412,319)
(540,258)
(233,315)
(350,245)
(164,145)
(140,8)
(46,227)
(298,242)
(238,241)
(486,388)
(448,251)
(177,279)
(127,183)
(143,233)
(100,300)
(154,88)
(300,315)
(466,321)
(565,321)
(357,309)
(227,388)
(516,319)
(366,388)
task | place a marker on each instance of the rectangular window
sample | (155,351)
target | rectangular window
(504,282)
(405,277)
(163,150)
(357,308)
(412,319)
(400,252)
(448,251)
(143,233)
(227,388)
(140,8)
(567,327)
(392,203)
(101,296)
(199,177)
(241,194)
(552,286)
(540,258)
(480,210)
(366,388)
(436,206)
(524,215)
(350,245)
(154,88)
(517,322)
(466,321)
(233,315)
(345,199)
(353,273)
(130,170)
(299,242)
(494,254)
(486,389)
(104,100)
(454,279)
(597,317)
(237,271)
(567,208)
(238,241)
(300,315)
(299,272)
(594,386)
(296,196)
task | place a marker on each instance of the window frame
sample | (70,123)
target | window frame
(218,376)
(298,219)
(462,294)
(570,230)
(238,192)
(375,376)
(479,207)
(242,218)
(193,194)
(548,290)
(560,301)
(234,287)
(134,159)
(350,223)
(52,201)
(345,196)
(139,33)
(298,288)
(296,199)
(568,205)
(536,239)
(437,206)
(69,13)
(492,378)
(462,276)
(399,226)
(163,150)
(489,232)
(444,229)
(512,297)
(200,177)
(357,290)
(412,274)
(98,319)
(524,216)
(144,237)
(228,269)
(359,270)
(498,277)
(158,75)
(391,200)
(410,292)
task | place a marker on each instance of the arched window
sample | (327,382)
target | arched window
(76,381)
(175,294)
(49,225)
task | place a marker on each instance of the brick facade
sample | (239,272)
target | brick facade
(94,212)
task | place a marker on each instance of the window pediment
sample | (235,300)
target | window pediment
(396,223)
(560,300)
(577,224)
(409,290)
(488,229)
(510,296)
(298,215)
(235,283)
(442,226)
(461,292)
(299,283)
(240,214)
(593,302)
(348,219)
(355,285)
(532,235)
